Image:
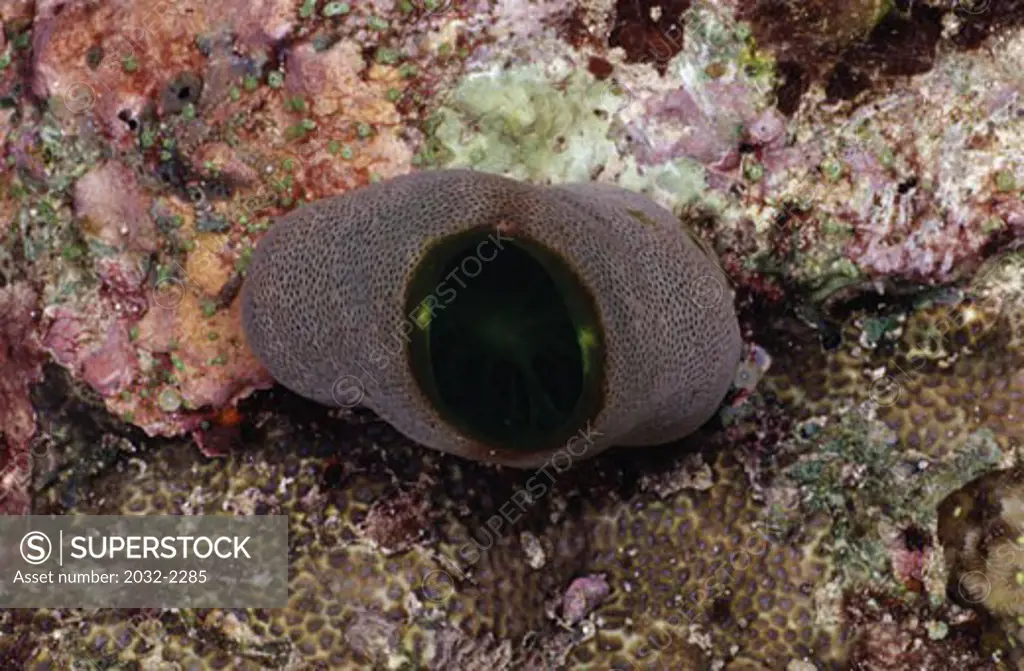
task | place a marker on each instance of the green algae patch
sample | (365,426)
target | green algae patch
(526,124)
(683,181)
(853,472)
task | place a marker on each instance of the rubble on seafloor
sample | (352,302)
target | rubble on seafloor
(858,170)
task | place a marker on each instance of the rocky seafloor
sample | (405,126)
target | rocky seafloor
(858,168)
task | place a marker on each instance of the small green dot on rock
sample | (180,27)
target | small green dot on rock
(1005,180)
(336,9)
(937,630)
(387,56)
(832,169)
(169,400)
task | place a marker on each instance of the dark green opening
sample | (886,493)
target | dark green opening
(506,342)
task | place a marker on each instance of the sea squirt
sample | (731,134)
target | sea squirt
(494,319)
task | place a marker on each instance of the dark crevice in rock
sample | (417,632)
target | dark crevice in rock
(845,83)
(645,39)
(900,45)
(185,89)
(814,41)
(77,439)
(982,18)
(916,539)
(793,84)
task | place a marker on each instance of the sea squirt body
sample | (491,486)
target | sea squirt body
(495,319)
